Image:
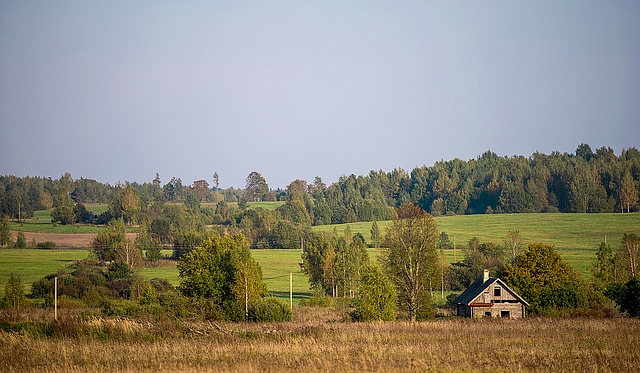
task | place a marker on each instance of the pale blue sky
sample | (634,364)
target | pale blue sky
(120,90)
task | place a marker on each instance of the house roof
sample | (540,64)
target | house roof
(479,286)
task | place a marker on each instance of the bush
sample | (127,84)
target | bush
(47,245)
(161,285)
(122,309)
(320,299)
(377,301)
(270,310)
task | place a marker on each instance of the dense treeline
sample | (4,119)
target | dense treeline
(586,181)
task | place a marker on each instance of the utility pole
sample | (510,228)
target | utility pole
(442,282)
(55,299)
(291,289)
(246,298)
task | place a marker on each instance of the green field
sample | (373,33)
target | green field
(575,236)
(41,223)
(31,264)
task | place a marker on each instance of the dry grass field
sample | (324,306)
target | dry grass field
(319,341)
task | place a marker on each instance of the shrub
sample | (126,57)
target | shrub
(320,299)
(92,298)
(47,245)
(270,310)
(161,285)
(377,301)
(122,309)
(65,301)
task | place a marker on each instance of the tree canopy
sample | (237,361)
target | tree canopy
(223,271)
(411,259)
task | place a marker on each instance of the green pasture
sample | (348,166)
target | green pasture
(575,236)
(41,223)
(266,205)
(32,264)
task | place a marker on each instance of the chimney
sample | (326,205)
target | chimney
(486,276)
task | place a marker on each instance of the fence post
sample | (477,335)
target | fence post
(55,299)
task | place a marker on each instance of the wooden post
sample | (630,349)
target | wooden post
(291,289)
(246,298)
(442,282)
(55,299)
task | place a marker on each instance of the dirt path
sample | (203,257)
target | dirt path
(63,240)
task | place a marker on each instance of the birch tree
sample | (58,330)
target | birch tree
(411,259)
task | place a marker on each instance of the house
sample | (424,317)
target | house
(491,297)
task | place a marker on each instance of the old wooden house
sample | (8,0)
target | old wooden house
(491,297)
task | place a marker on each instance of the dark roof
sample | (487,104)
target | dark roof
(478,287)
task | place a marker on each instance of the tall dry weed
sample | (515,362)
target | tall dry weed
(325,344)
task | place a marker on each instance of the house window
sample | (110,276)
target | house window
(487,314)
(497,291)
(505,314)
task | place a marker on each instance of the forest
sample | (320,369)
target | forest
(586,181)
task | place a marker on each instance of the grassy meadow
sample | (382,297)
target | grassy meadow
(317,341)
(575,236)
(31,264)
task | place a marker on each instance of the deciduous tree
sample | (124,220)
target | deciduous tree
(608,267)
(14,291)
(513,243)
(411,259)
(628,193)
(376,297)
(223,271)
(545,280)
(108,241)
(256,187)
(62,208)
(631,252)
(375,234)
(5,232)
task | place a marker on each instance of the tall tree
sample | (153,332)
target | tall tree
(631,252)
(314,256)
(200,188)
(256,188)
(411,259)
(608,267)
(5,232)
(513,243)
(628,193)
(216,180)
(125,204)
(375,234)
(107,242)
(63,208)
(14,291)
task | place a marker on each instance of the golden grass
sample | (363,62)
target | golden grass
(319,342)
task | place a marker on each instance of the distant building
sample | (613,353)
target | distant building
(491,297)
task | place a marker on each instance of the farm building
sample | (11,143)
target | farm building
(490,296)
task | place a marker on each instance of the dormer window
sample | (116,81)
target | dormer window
(497,291)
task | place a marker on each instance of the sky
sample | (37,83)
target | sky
(121,90)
